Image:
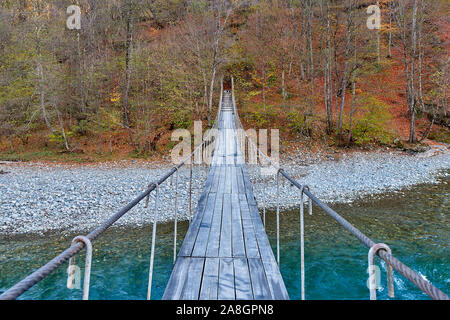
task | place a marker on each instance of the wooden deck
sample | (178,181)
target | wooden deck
(226,253)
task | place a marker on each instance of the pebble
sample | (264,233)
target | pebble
(37,198)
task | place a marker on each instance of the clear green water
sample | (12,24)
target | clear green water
(414,222)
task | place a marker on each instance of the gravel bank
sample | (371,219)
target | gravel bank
(38,198)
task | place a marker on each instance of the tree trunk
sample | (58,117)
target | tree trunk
(128,63)
(378,41)
(345,71)
(311,56)
(420,58)
(283,87)
(63,132)
(41,80)
(211,91)
(327,72)
(352,109)
(264,88)
(412,133)
(390,32)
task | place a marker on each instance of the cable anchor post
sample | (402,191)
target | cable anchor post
(87,266)
(302,238)
(176,218)
(372,283)
(264,204)
(190,191)
(278,216)
(152,254)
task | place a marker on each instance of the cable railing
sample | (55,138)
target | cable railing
(380,249)
(80,242)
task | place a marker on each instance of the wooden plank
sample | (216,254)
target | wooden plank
(227,224)
(274,278)
(212,249)
(210,282)
(226,280)
(215,180)
(191,236)
(248,187)
(254,212)
(222,179)
(242,279)
(177,278)
(225,233)
(240,180)
(201,241)
(191,288)
(245,211)
(234,183)
(228,179)
(260,285)
(236,225)
(251,245)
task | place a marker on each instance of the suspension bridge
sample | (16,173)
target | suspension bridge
(226,254)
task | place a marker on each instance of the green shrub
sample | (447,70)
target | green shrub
(298,122)
(81,128)
(181,120)
(58,138)
(440,134)
(371,126)
(261,117)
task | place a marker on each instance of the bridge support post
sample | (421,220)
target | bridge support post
(176,219)
(152,254)
(87,266)
(372,275)
(264,205)
(278,217)
(302,239)
(190,191)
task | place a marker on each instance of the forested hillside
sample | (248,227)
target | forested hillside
(139,69)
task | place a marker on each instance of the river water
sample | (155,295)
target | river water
(414,222)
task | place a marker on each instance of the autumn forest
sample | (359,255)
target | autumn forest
(321,71)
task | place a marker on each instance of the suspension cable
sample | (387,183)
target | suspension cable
(423,284)
(25,284)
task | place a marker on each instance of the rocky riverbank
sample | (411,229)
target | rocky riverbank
(36,197)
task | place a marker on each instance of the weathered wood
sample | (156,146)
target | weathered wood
(226,279)
(214,235)
(242,281)
(228,180)
(225,233)
(274,278)
(191,289)
(226,253)
(251,245)
(210,282)
(260,285)
(237,231)
(178,277)
(240,180)
(201,242)
(234,183)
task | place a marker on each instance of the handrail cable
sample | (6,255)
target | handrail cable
(423,284)
(32,279)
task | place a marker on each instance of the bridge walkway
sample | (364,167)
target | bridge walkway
(226,254)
